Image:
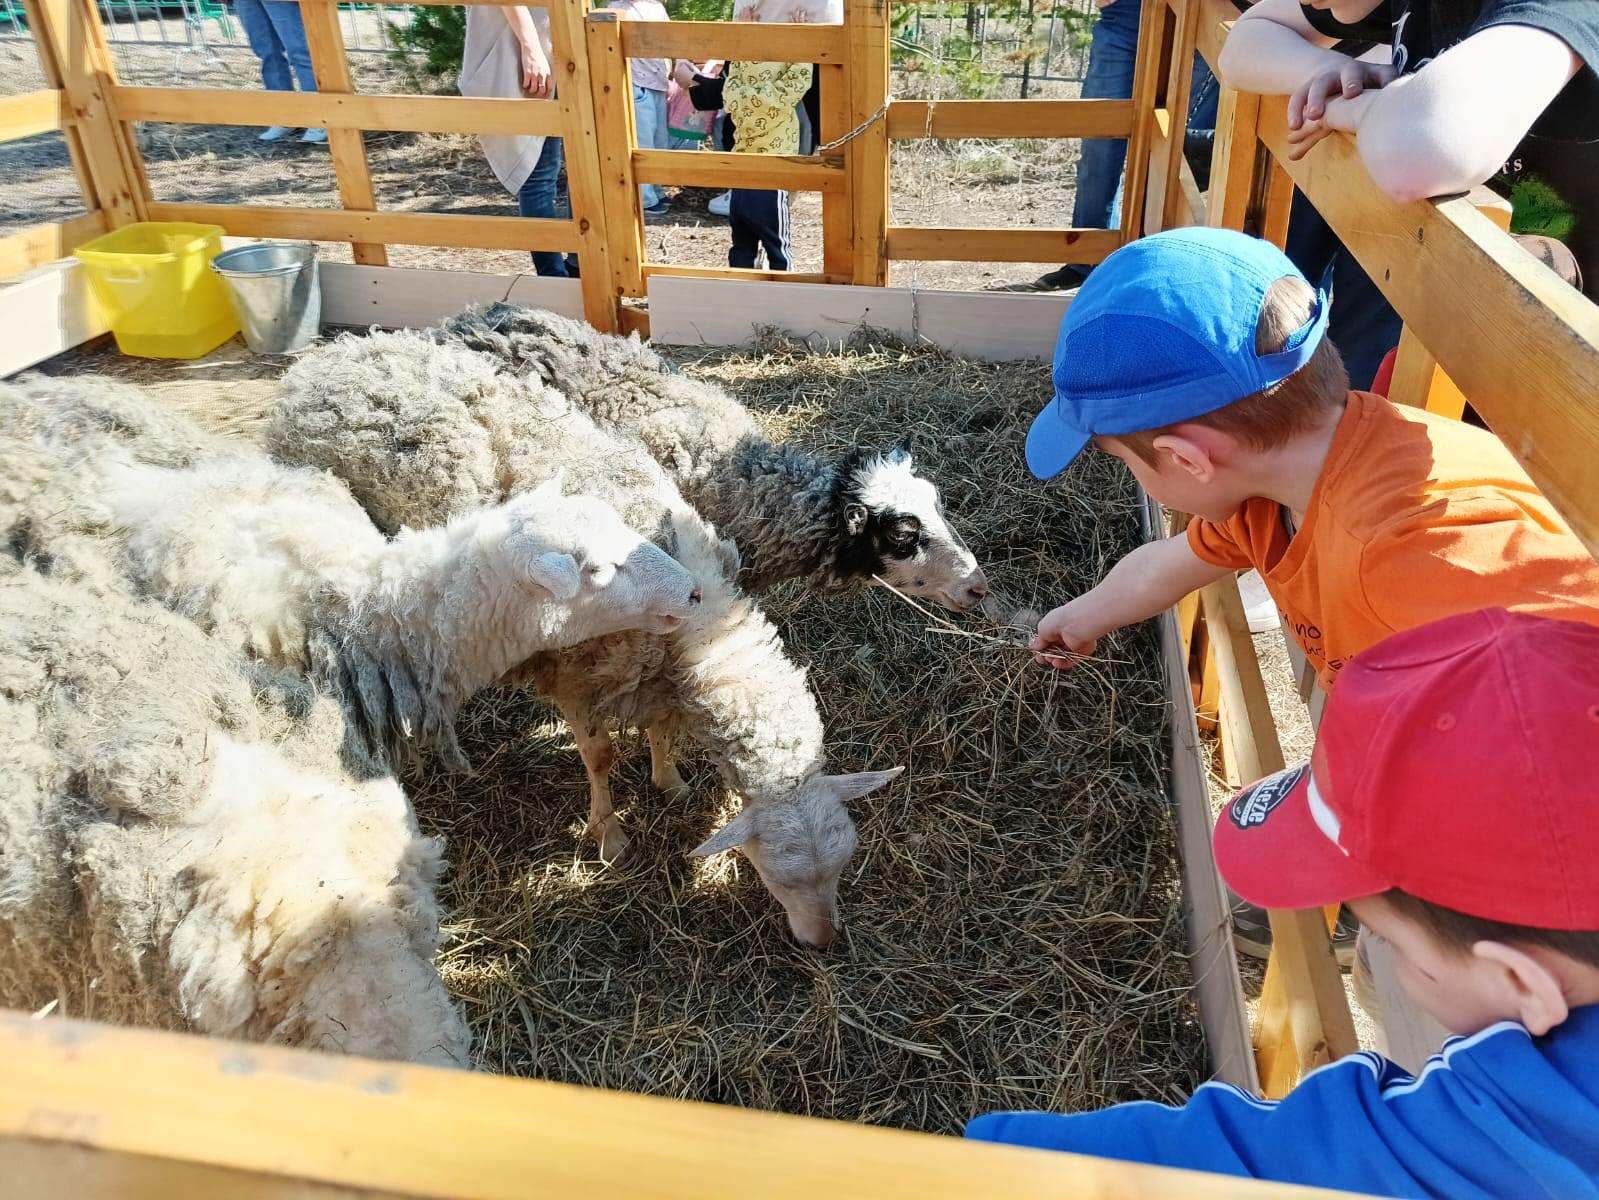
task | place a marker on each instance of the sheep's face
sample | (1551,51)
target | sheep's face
(609,578)
(895,528)
(799,846)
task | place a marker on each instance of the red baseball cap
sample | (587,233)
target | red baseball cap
(1459,762)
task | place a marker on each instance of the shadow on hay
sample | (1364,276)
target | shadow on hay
(1012,921)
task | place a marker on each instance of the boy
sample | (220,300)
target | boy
(1198,358)
(1451,802)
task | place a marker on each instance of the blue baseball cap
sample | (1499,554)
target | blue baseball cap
(1164,331)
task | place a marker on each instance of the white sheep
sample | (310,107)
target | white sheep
(722,677)
(185,841)
(793,514)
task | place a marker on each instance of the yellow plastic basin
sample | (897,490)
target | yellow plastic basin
(155,285)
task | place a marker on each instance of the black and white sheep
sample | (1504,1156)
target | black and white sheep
(793,514)
(381,410)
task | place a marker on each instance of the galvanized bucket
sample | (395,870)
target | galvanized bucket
(274,289)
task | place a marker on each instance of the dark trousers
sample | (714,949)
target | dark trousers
(1362,324)
(537,199)
(760,221)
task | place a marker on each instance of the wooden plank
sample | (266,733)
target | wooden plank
(575,94)
(909,119)
(678,271)
(43,244)
(1503,325)
(75,58)
(44,313)
(1218,990)
(917,243)
(291,1121)
(838,231)
(1233,161)
(723,312)
(325,40)
(31,113)
(409,229)
(1178,89)
(734,41)
(716,168)
(623,207)
(866,22)
(1146,81)
(1277,201)
(414,297)
(383,113)
(996,326)
(1419,380)
(1192,210)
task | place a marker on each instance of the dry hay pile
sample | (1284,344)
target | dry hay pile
(1013,936)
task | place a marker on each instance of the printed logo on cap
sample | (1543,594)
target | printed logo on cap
(1252,807)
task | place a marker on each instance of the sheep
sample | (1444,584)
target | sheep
(185,843)
(793,514)
(722,678)
(284,563)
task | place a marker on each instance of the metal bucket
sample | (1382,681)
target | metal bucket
(274,289)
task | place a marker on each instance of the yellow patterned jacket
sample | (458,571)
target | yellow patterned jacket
(760,97)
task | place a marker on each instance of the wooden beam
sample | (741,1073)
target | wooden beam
(838,231)
(414,297)
(623,207)
(678,271)
(1521,343)
(908,119)
(41,244)
(32,113)
(714,168)
(1146,81)
(914,243)
(1178,87)
(734,41)
(1233,160)
(331,110)
(325,41)
(1419,380)
(370,228)
(574,93)
(866,23)
(155,1114)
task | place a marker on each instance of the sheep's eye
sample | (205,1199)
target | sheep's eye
(905,532)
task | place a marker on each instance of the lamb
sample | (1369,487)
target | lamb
(184,842)
(284,563)
(354,407)
(793,515)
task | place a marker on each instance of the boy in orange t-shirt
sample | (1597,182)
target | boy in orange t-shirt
(1198,358)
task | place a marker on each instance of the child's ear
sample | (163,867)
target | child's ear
(1529,985)
(1191,454)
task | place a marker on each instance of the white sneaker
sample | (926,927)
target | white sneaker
(721,205)
(314,137)
(275,134)
(1259,607)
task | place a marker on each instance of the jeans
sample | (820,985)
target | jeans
(649,115)
(1109,77)
(277,36)
(1362,324)
(537,199)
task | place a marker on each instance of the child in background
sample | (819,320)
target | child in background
(651,82)
(1451,803)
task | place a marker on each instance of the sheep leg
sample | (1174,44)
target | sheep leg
(599,756)
(663,764)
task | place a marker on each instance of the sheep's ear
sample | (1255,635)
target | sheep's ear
(861,783)
(854,519)
(735,833)
(551,488)
(901,450)
(556,573)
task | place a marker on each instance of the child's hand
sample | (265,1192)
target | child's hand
(683,73)
(1062,639)
(1308,105)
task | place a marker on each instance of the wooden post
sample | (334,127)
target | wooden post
(1178,87)
(574,92)
(866,26)
(1147,76)
(1419,380)
(1234,161)
(75,58)
(611,87)
(838,239)
(325,41)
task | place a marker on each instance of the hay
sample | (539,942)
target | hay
(1013,936)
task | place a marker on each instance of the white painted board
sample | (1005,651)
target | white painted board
(412,297)
(45,312)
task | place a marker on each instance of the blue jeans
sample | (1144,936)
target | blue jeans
(537,199)
(649,116)
(277,36)
(1109,77)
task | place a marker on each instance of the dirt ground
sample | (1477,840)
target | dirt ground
(972,183)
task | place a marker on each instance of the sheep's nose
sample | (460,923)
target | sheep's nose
(694,596)
(976,591)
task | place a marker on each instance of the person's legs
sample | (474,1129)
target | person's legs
(537,199)
(743,216)
(650,121)
(286,23)
(774,235)
(1109,77)
(263,39)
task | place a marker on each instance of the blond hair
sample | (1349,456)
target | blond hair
(1269,418)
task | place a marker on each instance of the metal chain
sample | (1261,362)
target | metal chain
(857,131)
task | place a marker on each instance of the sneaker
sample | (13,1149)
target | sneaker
(314,137)
(1259,607)
(1252,932)
(1061,279)
(275,133)
(659,209)
(720,206)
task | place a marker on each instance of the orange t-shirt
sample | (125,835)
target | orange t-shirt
(1414,517)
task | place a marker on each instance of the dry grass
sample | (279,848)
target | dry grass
(1013,933)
